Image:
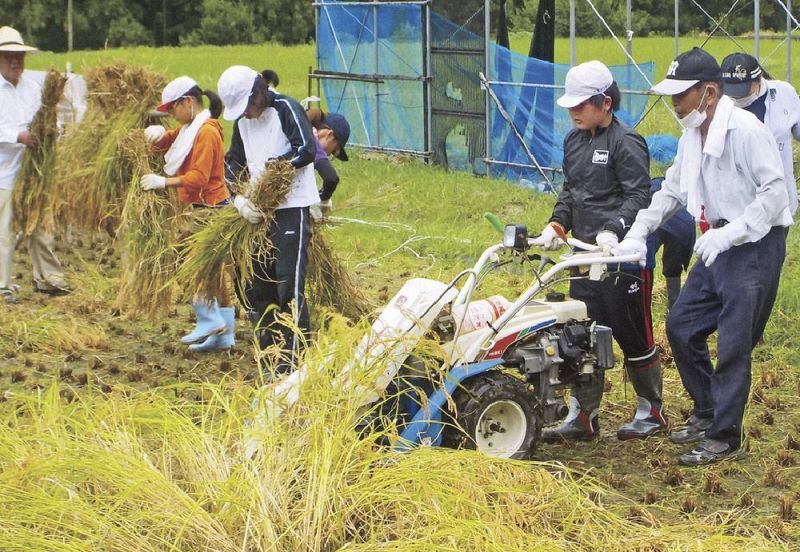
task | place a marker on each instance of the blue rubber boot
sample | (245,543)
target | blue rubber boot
(209,321)
(220,342)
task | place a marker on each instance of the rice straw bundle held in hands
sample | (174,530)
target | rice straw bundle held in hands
(35,192)
(93,166)
(328,282)
(227,240)
(148,231)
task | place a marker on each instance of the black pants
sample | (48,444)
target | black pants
(621,302)
(278,284)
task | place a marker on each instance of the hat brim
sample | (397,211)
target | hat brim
(164,107)
(18,48)
(236,109)
(736,89)
(572,101)
(670,87)
(342,155)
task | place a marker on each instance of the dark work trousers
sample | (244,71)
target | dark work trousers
(676,255)
(278,283)
(734,297)
(621,302)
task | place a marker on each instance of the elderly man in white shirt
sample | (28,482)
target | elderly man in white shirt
(729,176)
(20,98)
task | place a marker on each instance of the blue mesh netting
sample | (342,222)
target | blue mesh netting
(392,114)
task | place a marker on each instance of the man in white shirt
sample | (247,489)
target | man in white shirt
(774,102)
(20,98)
(729,176)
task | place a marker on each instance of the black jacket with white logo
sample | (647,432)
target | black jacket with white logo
(607,181)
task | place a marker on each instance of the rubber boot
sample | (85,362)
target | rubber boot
(209,321)
(649,417)
(219,342)
(579,425)
(673,289)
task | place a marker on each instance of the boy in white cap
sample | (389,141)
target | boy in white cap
(21,98)
(272,126)
(728,175)
(606,170)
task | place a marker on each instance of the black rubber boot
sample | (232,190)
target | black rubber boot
(673,289)
(579,425)
(645,375)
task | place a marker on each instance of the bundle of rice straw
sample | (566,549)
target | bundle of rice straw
(225,240)
(35,193)
(93,166)
(328,284)
(148,232)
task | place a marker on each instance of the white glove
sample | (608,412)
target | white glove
(606,240)
(316,213)
(154,133)
(629,246)
(711,244)
(153,182)
(549,240)
(247,209)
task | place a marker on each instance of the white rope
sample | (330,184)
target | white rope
(630,58)
(719,25)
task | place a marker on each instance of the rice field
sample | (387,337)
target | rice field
(116,437)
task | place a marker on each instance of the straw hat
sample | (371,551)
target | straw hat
(11,41)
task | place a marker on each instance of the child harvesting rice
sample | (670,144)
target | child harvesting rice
(194,158)
(269,126)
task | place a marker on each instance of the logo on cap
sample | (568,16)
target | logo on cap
(672,68)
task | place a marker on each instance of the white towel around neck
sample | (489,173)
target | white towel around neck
(694,150)
(183,143)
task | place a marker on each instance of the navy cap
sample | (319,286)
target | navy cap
(688,69)
(739,70)
(341,130)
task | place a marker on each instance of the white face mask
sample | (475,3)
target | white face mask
(747,100)
(694,118)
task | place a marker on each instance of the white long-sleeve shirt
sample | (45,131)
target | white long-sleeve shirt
(742,184)
(18,106)
(783,119)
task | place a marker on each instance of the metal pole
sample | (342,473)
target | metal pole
(487,55)
(426,85)
(677,28)
(377,70)
(629,46)
(756,26)
(69,25)
(572,55)
(789,41)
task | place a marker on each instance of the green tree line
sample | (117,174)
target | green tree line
(112,23)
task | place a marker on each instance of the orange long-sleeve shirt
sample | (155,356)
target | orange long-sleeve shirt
(202,173)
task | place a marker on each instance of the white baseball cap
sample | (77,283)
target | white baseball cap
(584,81)
(175,90)
(234,87)
(11,41)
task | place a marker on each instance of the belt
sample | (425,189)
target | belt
(718,224)
(706,226)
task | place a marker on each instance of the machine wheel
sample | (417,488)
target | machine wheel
(497,415)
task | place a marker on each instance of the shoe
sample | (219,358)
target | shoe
(693,431)
(9,295)
(711,451)
(60,288)
(220,342)
(209,321)
(579,425)
(648,420)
